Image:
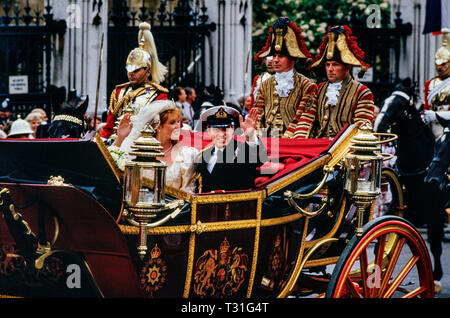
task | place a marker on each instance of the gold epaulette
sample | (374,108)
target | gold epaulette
(122,85)
(112,99)
(159,87)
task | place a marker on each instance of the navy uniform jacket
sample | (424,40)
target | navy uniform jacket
(235,168)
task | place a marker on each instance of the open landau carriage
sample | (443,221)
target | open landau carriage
(305,230)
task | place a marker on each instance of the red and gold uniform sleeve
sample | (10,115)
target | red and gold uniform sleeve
(364,107)
(259,104)
(425,97)
(305,114)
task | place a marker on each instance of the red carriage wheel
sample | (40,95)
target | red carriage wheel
(390,260)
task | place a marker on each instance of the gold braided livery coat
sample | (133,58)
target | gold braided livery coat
(355,106)
(292,116)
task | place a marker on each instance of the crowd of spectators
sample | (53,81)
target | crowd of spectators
(35,123)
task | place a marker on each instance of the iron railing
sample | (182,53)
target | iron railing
(26,37)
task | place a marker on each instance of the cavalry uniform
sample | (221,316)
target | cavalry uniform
(286,100)
(124,96)
(437,90)
(440,99)
(132,98)
(347,101)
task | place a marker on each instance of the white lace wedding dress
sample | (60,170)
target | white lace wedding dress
(180,174)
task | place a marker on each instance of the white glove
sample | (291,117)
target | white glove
(429,116)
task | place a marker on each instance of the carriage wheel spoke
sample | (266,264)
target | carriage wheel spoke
(352,288)
(395,253)
(419,290)
(380,251)
(401,276)
(363,267)
(379,257)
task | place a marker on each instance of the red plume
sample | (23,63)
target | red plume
(353,46)
(351,43)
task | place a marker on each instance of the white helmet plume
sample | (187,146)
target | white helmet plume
(147,43)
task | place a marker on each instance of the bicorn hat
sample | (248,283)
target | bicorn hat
(340,45)
(284,38)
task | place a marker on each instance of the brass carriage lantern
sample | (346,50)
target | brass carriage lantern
(363,171)
(144,197)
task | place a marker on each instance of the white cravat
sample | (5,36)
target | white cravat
(333,93)
(285,82)
(213,159)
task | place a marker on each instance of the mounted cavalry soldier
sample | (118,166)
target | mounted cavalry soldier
(341,99)
(145,73)
(437,89)
(286,98)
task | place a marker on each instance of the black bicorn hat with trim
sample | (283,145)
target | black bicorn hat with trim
(285,37)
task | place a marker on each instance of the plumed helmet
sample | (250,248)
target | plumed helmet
(443,53)
(284,38)
(146,55)
(340,45)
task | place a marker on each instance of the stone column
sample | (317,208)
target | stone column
(230,45)
(76,67)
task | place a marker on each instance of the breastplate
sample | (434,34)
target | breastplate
(441,99)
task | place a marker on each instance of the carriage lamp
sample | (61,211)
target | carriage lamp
(144,194)
(363,171)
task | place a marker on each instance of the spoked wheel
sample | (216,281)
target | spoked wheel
(390,260)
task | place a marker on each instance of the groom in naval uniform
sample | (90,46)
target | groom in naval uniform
(229,164)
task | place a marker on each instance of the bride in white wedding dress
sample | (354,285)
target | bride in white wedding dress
(166,118)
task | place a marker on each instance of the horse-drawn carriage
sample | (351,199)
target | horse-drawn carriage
(76,237)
